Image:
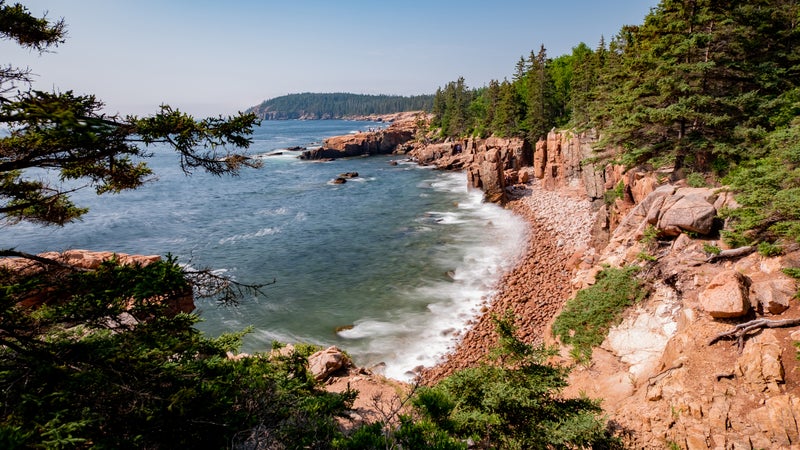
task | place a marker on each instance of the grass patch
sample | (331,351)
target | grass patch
(585,320)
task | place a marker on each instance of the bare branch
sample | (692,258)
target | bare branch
(740,331)
(732,253)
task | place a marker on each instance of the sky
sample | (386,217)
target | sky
(218,57)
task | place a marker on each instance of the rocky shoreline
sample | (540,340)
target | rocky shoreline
(661,381)
(536,289)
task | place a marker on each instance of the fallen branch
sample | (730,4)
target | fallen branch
(732,253)
(740,331)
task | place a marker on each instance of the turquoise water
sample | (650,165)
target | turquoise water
(403,254)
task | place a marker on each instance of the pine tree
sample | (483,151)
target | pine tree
(696,77)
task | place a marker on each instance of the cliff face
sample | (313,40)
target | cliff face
(390,140)
(662,380)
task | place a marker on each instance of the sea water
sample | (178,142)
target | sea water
(389,266)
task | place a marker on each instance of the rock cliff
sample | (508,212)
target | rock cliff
(386,141)
(666,377)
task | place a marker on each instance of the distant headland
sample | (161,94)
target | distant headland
(316,106)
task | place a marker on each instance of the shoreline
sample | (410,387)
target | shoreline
(537,287)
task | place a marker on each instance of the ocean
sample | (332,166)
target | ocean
(388,266)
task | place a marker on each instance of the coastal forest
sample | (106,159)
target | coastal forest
(710,88)
(314,106)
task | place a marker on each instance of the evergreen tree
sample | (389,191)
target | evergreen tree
(99,358)
(695,79)
(510,112)
(586,66)
(539,114)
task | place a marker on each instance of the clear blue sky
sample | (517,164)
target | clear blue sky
(217,57)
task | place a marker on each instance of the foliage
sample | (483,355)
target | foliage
(769,189)
(104,361)
(67,135)
(696,180)
(514,402)
(101,358)
(769,249)
(793,272)
(586,318)
(611,195)
(711,249)
(338,105)
(537,99)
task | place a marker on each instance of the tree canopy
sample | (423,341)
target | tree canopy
(337,105)
(700,86)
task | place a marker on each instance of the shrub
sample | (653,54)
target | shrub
(73,374)
(769,249)
(585,320)
(711,249)
(514,403)
(696,180)
(613,194)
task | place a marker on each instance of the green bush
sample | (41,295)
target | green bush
(585,320)
(768,190)
(696,180)
(711,249)
(612,195)
(73,374)
(514,403)
(769,249)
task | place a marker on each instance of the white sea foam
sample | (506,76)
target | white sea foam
(269,231)
(490,241)
(281,211)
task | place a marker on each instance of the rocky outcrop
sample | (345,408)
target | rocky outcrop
(381,142)
(491,164)
(86,259)
(565,158)
(670,210)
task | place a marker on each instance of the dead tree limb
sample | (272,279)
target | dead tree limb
(732,253)
(740,331)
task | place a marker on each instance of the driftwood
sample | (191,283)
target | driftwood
(740,331)
(732,253)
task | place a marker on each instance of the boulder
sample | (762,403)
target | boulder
(727,295)
(772,296)
(325,362)
(687,211)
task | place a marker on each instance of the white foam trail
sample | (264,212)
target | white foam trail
(491,240)
(247,236)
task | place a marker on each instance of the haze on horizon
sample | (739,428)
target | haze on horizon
(209,58)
